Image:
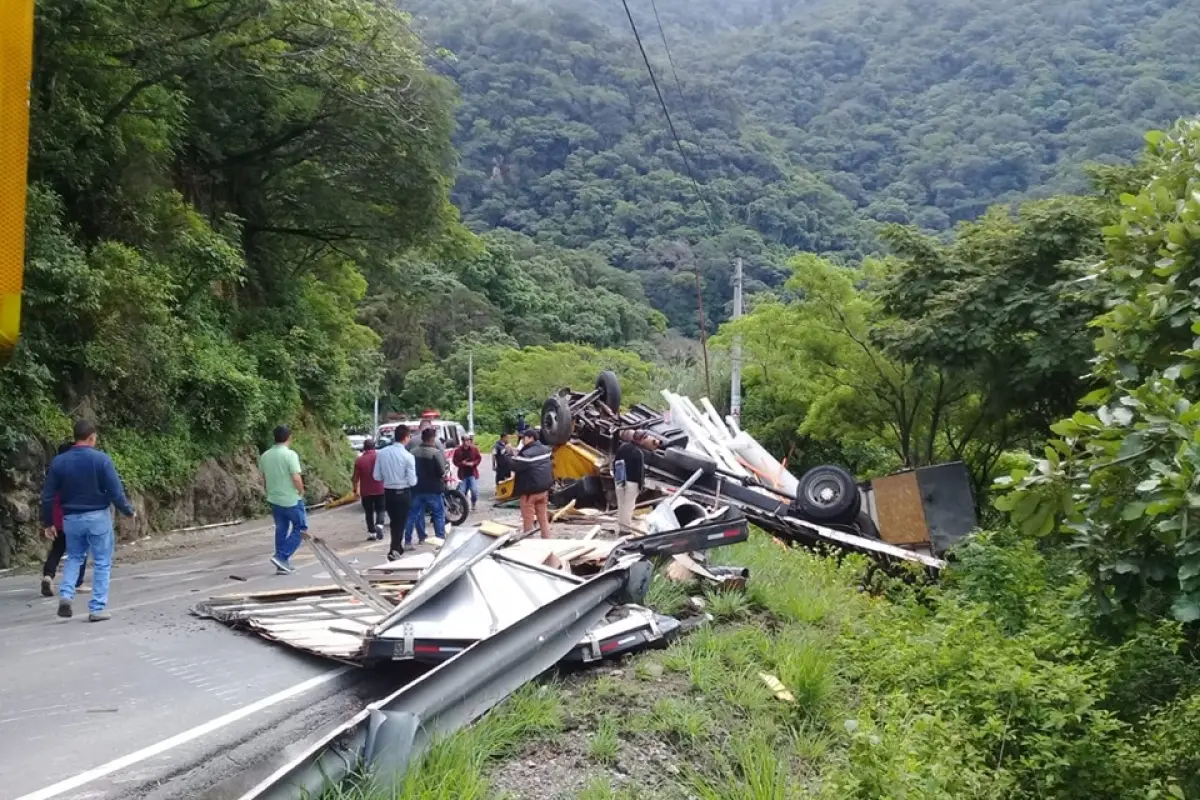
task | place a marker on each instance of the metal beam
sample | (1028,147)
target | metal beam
(387,736)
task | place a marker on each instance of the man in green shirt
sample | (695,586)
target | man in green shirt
(285,492)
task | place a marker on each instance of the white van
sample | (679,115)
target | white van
(450,433)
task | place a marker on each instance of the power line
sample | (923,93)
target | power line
(695,184)
(674,72)
(666,113)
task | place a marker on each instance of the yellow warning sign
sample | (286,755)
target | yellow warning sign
(16,64)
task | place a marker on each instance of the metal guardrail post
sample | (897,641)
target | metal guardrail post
(387,736)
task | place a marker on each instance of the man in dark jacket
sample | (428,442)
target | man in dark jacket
(502,455)
(86,483)
(427,494)
(534,473)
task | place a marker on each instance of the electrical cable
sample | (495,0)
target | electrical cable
(674,72)
(695,184)
(666,113)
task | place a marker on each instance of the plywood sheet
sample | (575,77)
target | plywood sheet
(900,508)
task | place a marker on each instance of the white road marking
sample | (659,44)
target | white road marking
(182,738)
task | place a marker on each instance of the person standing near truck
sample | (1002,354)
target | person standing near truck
(87,484)
(502,455)
(534,476)
(629,475)
(280,467)
(468,458)
(369,490)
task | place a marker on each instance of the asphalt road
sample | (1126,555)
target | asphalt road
(157,703)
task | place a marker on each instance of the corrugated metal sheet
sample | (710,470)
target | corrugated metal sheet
(326,621)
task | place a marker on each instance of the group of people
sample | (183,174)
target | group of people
(404,481)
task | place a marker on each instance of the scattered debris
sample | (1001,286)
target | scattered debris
(213,526)
(776,686)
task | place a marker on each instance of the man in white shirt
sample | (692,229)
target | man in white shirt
(397,469)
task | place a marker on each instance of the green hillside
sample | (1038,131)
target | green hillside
(806,123)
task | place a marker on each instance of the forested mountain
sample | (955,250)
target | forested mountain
(239,215)
(807,122)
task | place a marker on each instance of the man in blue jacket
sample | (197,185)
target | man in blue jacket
(87,484)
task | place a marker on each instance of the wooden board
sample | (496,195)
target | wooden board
(900,508)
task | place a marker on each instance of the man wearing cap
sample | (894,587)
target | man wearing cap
(534,475)
(468,458)
(280,467)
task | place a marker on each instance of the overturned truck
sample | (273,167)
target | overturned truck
(914,516)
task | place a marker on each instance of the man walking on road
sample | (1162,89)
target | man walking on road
(396,469)
(280,467)
(427,494)
(86,483)
(534,477)
(59,547)
(369,490)
(468,458)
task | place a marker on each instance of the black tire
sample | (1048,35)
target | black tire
(828,494)
(556,421)
(610,389)
(458,508)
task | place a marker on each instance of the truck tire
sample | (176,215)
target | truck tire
(610,389)
(556,421)
(828,494)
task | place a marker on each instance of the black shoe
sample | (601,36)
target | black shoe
(64,608)
(395,555)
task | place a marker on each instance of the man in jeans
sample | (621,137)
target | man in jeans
(86,483)
(58,547)
(427,494)
(369,490)
(396,469)
(468,458)
(280,467)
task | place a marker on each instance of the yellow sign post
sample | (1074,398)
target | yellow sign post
(16,65)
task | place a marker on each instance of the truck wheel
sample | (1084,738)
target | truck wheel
(610,389)
(556,421)
(828,494)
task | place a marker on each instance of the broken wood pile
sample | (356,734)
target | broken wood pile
(427,607)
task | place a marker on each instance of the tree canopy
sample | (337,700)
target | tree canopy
(807,123)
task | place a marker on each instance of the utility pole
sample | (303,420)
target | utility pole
(703,333)
(735,371)
(375,418)
(471,393)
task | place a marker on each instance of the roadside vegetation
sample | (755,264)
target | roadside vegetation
(1057,655)
(984,687)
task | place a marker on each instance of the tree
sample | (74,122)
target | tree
(1123,478)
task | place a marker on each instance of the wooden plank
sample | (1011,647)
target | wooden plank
(495,529)
(901,509)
